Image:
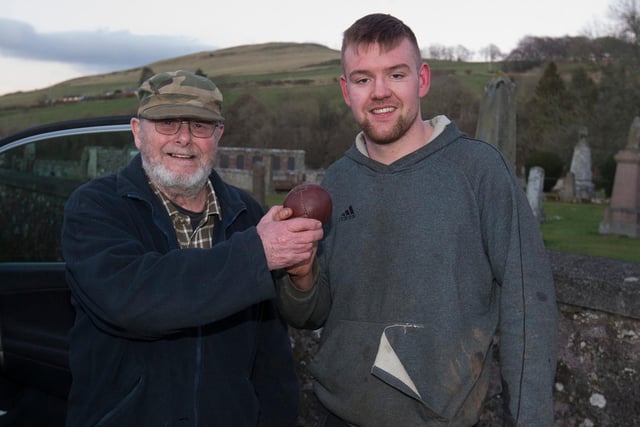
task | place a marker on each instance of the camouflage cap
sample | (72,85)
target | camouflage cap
(179,94)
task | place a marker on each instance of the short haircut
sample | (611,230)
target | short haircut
(382,29)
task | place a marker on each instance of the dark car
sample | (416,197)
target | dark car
(39,168)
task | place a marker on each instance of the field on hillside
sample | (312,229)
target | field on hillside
(271,72)
(241,64)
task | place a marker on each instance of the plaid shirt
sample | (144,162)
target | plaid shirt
(188,237)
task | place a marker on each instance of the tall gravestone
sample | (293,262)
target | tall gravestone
(497,116)
(581,168)
(623,215)
(535,185)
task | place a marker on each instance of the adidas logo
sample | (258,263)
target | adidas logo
(348,214)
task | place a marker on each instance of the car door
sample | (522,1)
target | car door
(39,169)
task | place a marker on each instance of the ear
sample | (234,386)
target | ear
(345,90)
(218,131)
(424,75)
(135,129)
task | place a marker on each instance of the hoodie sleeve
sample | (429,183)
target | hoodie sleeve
(528,310)
(305,310)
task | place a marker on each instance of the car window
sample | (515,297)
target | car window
(37,177)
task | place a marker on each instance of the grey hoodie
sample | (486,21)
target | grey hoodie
(424,261)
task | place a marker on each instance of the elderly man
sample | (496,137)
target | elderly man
(172,276)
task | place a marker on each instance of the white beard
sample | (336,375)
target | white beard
(173,183)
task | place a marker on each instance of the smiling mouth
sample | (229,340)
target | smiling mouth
(181,156)
(383,110)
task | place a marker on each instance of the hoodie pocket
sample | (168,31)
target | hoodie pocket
(440,376)
(350,381)
(389,367)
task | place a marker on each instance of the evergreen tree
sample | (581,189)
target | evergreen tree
(547,121)
(584,92)
(618,104)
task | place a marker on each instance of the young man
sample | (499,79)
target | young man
(432,250)
(170,271)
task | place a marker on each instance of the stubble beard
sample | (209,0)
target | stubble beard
(400,127)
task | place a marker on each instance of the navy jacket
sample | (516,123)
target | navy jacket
(165,336)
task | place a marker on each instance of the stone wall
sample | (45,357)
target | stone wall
(283,169)
(598,372)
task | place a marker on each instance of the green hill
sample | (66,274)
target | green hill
(269,72)
(235,64)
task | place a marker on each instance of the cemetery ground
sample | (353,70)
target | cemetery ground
(569,227)
(573,227)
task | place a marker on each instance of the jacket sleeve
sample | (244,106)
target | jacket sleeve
(528,310)
(273,374)
(126,276)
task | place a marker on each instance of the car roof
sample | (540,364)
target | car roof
(68,127)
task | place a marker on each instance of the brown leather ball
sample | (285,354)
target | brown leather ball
(309,201)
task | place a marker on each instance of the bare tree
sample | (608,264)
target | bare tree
(462,53)
(626,13)
(436,51)
(447,53)
(491,53)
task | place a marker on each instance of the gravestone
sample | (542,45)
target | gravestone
(581,168)
(535,185)
(567,191)
(623,215)
(497,116)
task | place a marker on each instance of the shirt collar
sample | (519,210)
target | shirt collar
(212,206)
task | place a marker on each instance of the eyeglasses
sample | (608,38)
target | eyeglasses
(197,128)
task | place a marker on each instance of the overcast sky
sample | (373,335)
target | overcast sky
(43,42)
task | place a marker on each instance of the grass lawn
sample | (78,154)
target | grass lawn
(573,227)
